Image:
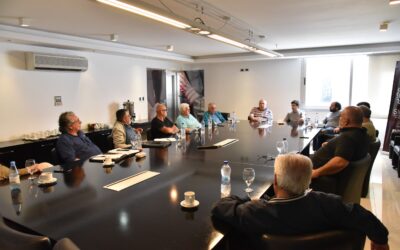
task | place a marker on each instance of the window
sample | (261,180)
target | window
(329,79)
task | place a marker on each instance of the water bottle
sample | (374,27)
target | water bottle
(225,173)
(138,141)
(285,149)
(209,122)
(203,127)
(14,180)
(225,189)
(13,175)
(183,131)
(233,117)
(316,120)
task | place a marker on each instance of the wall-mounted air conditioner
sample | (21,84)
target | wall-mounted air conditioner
(40,61)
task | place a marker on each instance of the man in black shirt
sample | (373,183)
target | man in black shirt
(296,210)
(161,126)
(335,155)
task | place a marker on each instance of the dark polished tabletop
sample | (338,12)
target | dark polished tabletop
(148,215)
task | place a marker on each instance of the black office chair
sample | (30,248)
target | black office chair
(328,240)
(110,142)
(350,180)
(149,136)
(373,151)
(65,244)
(54,157)
(225,115)
(13,239)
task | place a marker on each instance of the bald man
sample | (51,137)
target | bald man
(161,126)
(261,113)
(351,145)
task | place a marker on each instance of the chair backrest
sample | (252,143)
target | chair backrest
(54,157)
(351,179)
(373,151)
(149,136)
(329,240)
(13,239)
(110,142)
(225,115)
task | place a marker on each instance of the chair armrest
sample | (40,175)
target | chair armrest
(397,140)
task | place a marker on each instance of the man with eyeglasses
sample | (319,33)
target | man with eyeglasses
(161,126)
(73,144)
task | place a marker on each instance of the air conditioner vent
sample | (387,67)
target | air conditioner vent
(40,61)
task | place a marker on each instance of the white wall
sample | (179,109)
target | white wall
(278,81)
(380,83)
(27,97)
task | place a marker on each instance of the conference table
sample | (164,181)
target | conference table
(148,214)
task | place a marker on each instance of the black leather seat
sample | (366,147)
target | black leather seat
(350,180)
(54,157)
(149,136)
(328,240)
(373,151)
(13,239)
(110,142)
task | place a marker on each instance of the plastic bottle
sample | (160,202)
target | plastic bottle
(203,127)
(285,149)
(209,122)
(13,176)
(225,173)
(183,131)
(233,117)
(139,140)
(15,188)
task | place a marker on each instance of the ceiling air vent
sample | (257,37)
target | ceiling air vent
(39,61)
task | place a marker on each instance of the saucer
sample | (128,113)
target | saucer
(109,164)
(54,180)
(195,204)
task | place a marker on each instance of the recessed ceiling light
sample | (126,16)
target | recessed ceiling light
(114,37)
(393,2)
(24,22)
(383,27)
(170,47)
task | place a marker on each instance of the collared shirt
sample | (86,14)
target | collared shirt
(308,213)
(332,119)
(70,147)
(187,121)
(265,115)
(216,117)
(131,134)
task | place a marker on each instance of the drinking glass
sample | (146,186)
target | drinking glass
(248,177)
(29,165)
(279,146)
(134,143)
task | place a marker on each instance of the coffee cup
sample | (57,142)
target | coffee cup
(189,198)
(108,160)
(46,177)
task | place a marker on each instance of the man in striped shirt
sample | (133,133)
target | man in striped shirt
(260,113)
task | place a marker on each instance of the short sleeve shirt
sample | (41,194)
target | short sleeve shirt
(352,144)
(157,125)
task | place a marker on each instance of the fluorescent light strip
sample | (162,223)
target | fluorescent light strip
(145,13)
(265,53)
(393,2)
(227,40)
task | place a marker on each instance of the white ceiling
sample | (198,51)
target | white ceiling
(286,24)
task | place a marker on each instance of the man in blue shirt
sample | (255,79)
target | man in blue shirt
(73,144)
(213,114)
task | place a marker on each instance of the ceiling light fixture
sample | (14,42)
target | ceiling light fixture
(114,37)
(170,47)
(24,22)
(383,27)
(227,40)
(393,2)
(146,13)
(204,32)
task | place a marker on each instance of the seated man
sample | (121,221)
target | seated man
(73,144)
(123,133)
(350,145)
(367,123)
(331,125)
(296,117)
(261,113)
(5,171)
(296,210)
(186,119)
(213,114)
(161,126)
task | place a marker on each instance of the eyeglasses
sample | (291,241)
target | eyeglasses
(76,121)
(164,110)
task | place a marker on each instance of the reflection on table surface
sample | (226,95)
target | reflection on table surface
(148,215)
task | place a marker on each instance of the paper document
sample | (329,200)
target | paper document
(165,139)
(123,151)
(131,180)
(225,142)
